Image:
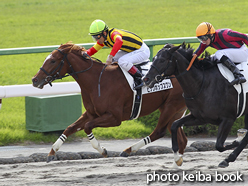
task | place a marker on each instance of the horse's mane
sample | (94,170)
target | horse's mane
(204,62)
(69,47)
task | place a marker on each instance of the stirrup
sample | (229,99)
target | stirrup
(238,80)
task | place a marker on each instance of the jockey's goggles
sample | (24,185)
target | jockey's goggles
(96,37)
(203,38)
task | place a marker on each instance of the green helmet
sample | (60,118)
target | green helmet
(97,27)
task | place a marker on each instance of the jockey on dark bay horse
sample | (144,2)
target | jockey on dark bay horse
(230,46)
(127,48)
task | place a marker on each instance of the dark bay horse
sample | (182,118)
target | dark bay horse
(208,95)
(115,101)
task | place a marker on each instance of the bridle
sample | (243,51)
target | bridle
(160,77)
(55,74)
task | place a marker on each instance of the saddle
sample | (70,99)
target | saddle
(137,94)
(242,89)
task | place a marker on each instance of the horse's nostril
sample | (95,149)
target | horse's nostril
(35,80)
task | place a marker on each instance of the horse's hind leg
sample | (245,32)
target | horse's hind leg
(188,120)
(233,156)
(77,126)
(167,117)
(182,139)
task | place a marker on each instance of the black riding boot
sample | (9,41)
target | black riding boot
(138,80)
(239,78)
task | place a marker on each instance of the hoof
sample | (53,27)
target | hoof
(50,158)
(105,153)
(124,154)
(223,164)
(180,161)
(174,165)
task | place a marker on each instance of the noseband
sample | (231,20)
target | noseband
(51,77)
(58,69)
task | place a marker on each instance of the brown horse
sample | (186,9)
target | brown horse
(114,104)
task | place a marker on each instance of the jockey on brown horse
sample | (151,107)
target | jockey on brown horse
(127,48)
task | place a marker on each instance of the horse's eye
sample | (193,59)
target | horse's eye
(53,61)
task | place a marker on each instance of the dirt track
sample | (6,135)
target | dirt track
(134,170)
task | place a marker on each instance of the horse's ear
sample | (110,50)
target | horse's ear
(173,49)
(183,45)
(168,45)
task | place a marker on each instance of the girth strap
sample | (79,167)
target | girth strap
(136,104)
(240,102)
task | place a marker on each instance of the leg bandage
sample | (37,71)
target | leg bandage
(59,142)
(95,144)
(140,144)
(177,156)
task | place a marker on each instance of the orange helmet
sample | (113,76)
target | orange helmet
(204,28)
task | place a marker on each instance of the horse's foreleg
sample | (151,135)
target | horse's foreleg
(106,120)
(188,120)
(78,125)
(223,131)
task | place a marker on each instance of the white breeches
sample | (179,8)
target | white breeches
(236,55)
(127,59)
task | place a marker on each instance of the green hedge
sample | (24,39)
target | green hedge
(208,129)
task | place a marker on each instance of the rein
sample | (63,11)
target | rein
(50,78)
(57,75)
(99,88)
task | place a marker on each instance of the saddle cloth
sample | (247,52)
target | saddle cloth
(137,94)
(242,89)
(165,84)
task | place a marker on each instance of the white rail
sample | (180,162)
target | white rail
(28,90)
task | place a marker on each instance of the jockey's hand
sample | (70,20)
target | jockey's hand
(82,53)
(109,60)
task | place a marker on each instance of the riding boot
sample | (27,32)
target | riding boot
(138,80)
(239,78)
(137,76)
